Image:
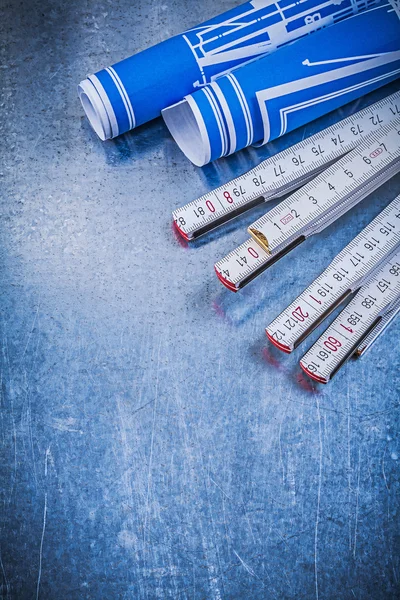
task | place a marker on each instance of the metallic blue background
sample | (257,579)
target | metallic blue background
(153,445)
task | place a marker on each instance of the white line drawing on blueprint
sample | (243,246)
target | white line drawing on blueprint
(332,76)
(263,26)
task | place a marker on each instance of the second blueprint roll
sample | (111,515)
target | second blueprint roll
(300,82)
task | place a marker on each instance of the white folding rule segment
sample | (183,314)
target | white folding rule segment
(347,273)
(314,206)
(284,172)
(376,301)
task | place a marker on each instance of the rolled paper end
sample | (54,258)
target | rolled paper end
(95,110)
(187,127)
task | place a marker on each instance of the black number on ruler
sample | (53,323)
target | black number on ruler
(323,355)
(279,172)
(354,318)
(317,150)
(383,285)
(356,130)
(387,228)
(199,212)
(368,302)
(356,259)
(298,160)
(278,335)
(324,290)
(376,120)
(313,367)
(258,181)
(242,260)
(371,244)
(239,191)
(337,140)
(290,324)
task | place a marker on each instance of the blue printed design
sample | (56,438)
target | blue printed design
(259,27)
(305,80)
(140,87)
(309,98)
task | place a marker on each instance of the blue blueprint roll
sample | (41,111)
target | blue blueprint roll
(135,90)
(277,93)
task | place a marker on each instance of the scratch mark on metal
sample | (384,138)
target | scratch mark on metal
(4,576)
(31,331)
(349,460)
(383,471)
(151,448)
(357,498)
(318,502)
(246,566)
(43,528)
(41,547)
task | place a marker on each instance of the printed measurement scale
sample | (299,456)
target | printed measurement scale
(361,316)
(352,268)
(283,173)
(315,206)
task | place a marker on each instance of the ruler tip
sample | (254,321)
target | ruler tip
(180,231)
(228,284)
(277,344)
(313,376)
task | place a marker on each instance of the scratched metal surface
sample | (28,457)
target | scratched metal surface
(152,444)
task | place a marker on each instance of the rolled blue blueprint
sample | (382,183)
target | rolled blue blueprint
(263,100)
(134,91)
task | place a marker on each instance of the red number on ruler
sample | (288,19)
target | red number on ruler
(228,197)
(299,314)
(252,252)
(332,344)
(210,206)
(349,329)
